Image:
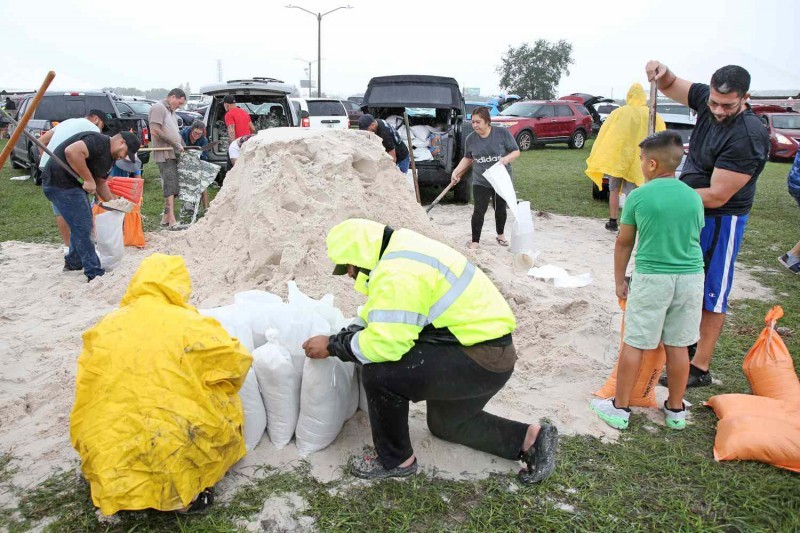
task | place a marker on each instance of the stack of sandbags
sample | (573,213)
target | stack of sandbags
(764,426)
(289,394)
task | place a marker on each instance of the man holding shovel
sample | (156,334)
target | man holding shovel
(90,155)
(727,153)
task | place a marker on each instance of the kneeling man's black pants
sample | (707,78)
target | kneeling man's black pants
(456,390)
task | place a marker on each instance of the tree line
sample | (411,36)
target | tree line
(534,72)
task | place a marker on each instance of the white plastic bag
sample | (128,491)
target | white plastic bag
(229,316)
(522,230)
(326,399)
(280,388)
(110,245)
(255,416)
(497,175)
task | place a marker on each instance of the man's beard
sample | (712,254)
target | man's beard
(727,121)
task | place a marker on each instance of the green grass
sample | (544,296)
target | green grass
(652,479)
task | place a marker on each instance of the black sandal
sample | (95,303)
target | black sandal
(200,504)
(540,458)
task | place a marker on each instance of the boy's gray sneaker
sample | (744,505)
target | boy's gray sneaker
(613,416)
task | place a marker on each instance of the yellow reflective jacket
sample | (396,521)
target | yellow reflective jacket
(616,150)
(157,417)
(416,282)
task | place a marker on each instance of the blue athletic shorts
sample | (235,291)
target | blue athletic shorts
(720,240)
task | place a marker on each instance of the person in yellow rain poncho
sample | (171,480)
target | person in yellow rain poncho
(615,153)
(157,420)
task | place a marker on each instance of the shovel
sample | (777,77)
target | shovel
(438,198)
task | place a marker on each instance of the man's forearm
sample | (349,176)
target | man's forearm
(164,136)
(103,191)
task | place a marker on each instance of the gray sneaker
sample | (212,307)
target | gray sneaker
(674,420)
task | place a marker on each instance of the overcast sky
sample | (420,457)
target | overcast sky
(144,44)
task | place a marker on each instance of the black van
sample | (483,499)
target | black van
(56,107)
(432,101)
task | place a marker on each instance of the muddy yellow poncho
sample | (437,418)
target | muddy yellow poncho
(157,417)
(616,150)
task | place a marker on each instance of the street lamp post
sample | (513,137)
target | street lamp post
(319,40)
(309,63)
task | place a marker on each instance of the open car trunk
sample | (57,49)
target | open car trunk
(266,111)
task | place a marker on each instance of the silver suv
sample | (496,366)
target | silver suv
(259,97)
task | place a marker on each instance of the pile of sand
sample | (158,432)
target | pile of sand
(267,226)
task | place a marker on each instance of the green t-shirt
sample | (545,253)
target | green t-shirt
(668,215)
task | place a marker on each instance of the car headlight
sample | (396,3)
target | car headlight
(505,124)
(783,139)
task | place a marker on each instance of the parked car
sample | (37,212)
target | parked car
(589,102)
(784,134)
(128,110)
(251,95)
(546,122)
(323,113)
(356,99)
(185,118)
(605,108)
(495,104)
(194,101)
(56,107)
(437,102)
(353,112)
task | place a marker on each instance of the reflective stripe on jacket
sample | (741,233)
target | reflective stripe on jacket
(417,281)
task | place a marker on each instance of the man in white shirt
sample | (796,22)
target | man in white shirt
(52,138)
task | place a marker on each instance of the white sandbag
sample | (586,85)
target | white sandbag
(499,178)
(522,230)
(229,316)
(422,154)
(110,244)
(323,307)
(255,416)
(280,388)
(362,392)
(401,131)
(419,143)
(421,131)
(254,307)
(394,121)
(325,402)
(298,328)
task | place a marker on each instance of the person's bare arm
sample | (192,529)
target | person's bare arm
(510,157)
(231,132)
(623,248)
(668,83)
(157,130)
(462,167)
(103,191)
(45,139)
(76,154)
(724,184)
(253,127)
(393,154)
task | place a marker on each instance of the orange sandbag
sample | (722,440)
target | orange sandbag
(769,367)
(132,231)
(644,389)
(727,406)
(772,438)
(129,188)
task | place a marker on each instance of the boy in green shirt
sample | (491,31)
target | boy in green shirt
(665,297)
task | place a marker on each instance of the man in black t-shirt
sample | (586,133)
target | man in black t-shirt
(393,145)
(727,152)
(90,155)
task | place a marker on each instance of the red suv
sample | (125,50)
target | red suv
(540,122)
(784,134)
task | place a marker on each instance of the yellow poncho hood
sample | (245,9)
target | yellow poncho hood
(616,150)
(157,417)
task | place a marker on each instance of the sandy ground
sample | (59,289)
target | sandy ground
(566,338)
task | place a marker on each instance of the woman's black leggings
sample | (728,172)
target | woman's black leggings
(481,196)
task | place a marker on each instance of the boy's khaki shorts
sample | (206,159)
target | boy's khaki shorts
(664,308)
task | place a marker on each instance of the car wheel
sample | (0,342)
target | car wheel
(525,141)
(578,140)
(463,191)
(33,168)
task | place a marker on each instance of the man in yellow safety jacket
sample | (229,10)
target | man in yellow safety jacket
(434,328)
